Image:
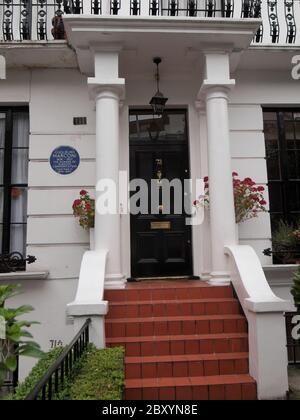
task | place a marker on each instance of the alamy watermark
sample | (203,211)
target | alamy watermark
(296,329)
(296,67)
(157,196)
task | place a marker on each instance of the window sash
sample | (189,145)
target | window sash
(14,182)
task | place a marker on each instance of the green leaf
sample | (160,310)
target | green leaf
(31,351)
(11,363)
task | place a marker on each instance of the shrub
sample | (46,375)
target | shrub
(36,374)
(100,376)
(97,375)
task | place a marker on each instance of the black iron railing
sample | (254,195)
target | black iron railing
(54,379)
(293,342)
(42,19)
(14,262)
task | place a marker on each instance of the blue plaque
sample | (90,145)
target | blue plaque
(64,160)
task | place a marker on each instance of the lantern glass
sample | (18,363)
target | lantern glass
(158,102)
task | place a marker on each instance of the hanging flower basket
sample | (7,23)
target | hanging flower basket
(248,198)
(84,210)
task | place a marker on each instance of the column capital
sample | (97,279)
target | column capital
(114,88)
(215,88)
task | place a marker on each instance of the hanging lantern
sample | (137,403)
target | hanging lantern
(158,101)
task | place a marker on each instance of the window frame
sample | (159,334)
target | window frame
(7,184)
(284,181)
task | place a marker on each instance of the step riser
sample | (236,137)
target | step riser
(184,369)
(179,347)
(137,329)
(174,309)
(168,294)
(201,393)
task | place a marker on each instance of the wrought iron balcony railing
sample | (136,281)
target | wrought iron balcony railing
(41,20)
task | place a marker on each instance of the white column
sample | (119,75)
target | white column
(222,215)
(107,226)
(108,89)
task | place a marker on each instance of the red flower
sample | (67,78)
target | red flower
(260,188)
(83,192)
(205,179)
(234,174)
(76,203)
(263,202)
(88,206)
(195,202)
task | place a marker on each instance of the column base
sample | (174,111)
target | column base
(115,281)
(219,278)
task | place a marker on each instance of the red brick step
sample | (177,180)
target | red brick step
(132,309)
(183,340)
(187,365)
(203,324)
(181,344)
(221,387)
(168,291)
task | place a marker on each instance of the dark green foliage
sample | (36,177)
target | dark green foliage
(296,288)
(17,337)
(98,375)
(36,374)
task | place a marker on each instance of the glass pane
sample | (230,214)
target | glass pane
(1,230)
(293,164)
(1,165)
(133,126)
(293,196)
(270,116)
(162,127)
(297,130)
(296,116)
(174,124)
(1,204)
(20,129)
(149,126)
(275,194)
(289,131)
(270,130)
(18,238)
(19,173)
(2,130)
(288,115)
(18,205)
(273,163)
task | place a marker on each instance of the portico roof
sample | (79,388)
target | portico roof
(175,38)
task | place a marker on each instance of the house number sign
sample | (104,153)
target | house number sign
(64,160)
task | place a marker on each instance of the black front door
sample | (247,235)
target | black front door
(160,240)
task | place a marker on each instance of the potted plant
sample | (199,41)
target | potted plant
(248,198)
(286,244)
(84,211)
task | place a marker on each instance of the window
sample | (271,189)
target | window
(282,137)
(14,146)
(144,126)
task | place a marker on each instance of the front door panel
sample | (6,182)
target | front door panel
(160,243)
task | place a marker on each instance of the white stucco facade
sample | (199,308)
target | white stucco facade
(58,90)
